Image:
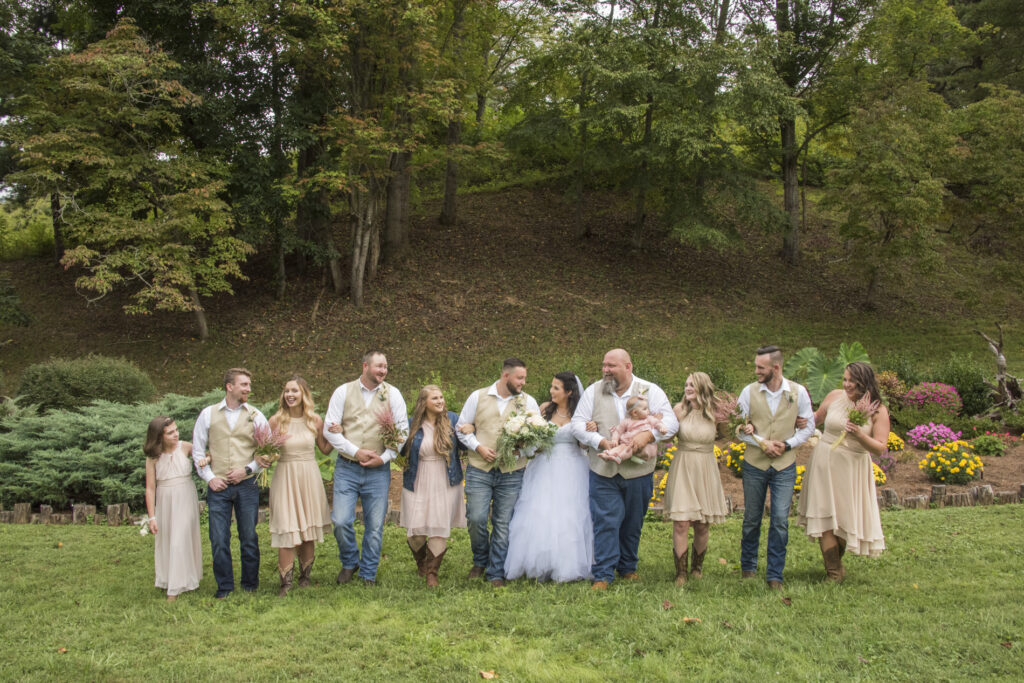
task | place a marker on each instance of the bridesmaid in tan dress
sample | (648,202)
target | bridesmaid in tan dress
(693,493)
(433,502)
(299,515)
(838,505)
(173,509)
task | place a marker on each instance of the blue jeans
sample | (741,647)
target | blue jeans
(352,482)
(755,484)
(244,499)
(491,494)
(617,508)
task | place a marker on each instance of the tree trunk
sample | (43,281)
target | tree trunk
(364,204)
(197,308)
(640,193)
(582,227)
(396,210)
(451,176)
(280,265)
(790,191)
(481,107)
(58,230)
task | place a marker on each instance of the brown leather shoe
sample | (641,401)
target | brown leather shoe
(599,586)
(345,575)
(476,572)
(369,582)
(497,583)
(631,576)
(775,585)
(747,575)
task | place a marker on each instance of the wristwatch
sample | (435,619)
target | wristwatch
(248,470)
(788,447)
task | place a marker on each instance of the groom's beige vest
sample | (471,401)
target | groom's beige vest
(488,422)
(606,417)
(359,420)
(230,449)
(777,427)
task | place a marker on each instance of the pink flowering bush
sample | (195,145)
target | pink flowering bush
(931,435)
(929,394)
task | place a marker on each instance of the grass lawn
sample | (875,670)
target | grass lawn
(942,603)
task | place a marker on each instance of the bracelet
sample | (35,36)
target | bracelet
(151,519)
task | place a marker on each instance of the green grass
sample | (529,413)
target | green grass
(939,604)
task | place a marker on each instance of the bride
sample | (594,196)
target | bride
(551,536)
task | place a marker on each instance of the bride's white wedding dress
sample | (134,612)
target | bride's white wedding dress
(551,536)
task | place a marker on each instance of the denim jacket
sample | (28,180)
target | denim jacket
(454,463)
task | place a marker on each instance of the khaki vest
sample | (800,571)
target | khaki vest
(488,422)
(230,449)
(777,427)
(359,420)
(606,417)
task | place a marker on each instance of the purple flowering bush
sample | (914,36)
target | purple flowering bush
(931,435)
(929,394)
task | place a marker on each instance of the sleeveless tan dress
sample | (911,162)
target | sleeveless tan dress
(693,492)
(433,508)
(298,503)
(177,555)
(839,488)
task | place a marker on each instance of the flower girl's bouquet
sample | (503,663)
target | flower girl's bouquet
(268,447)
(523,430)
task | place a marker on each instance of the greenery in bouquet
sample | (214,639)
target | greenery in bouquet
(863,409)
(934,393)
(523,430)
(931,435)
(391,435)
(268,447)
(732,456)
(954,462)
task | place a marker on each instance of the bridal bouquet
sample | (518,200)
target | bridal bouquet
(391,435)
(858,415)
(521,430)
(268,447)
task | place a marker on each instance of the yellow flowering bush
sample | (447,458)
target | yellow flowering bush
(659,489)
(895,443)
(666,456)
(800,469)
(880,477)
(953,462)
(733,455)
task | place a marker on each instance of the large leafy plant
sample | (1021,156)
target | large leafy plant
(821,374)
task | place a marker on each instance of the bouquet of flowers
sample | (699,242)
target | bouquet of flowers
(524,429)
(391,435)
(727,410)
(858,415)
(268,447)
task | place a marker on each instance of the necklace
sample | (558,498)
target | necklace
(559,413)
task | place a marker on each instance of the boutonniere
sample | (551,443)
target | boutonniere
(382,393)
(789,397)
(252,416)
(519,402)
(642,389)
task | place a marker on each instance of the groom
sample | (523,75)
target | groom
(489,489)
(619,493)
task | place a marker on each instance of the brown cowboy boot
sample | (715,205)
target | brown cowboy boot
(431,566)
(834,571)
(842,546)
(420,556)
(304,574)
(698,563)
(681,567)
(286,581)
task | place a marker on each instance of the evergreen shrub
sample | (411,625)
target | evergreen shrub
(66,384)
(967,375)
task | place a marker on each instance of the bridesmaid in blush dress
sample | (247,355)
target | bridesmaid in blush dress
(173,508)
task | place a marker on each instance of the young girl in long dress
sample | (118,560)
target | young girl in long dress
(173,508)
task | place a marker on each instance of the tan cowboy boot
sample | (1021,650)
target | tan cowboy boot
(681,567)
(286,581)
(304,575)
(834,571)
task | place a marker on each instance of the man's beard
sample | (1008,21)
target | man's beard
(609,385)
(768,378)
(511,389)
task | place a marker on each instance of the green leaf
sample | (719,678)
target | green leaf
(824,375)
(853,353)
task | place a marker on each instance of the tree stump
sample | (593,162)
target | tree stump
(6,516)
(888,498)
(22,513)
(262,516)
(118,514)
(45,514)
(99,518)
(60,518)
(958,500)
(81,513)
(1004,497)
(939,494)
(916,502)
(728,505)
(982,495)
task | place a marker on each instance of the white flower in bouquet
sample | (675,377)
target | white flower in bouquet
(536,420)
(523,430)
(515,424)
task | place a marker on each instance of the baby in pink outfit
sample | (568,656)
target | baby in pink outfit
(638,419)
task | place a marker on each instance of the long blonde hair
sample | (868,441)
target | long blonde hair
(283,415)
(442,425)
(705,396)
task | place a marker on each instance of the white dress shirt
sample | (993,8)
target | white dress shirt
(657,401)
(468,415)
(803,409)
(336,411)
(201,433)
